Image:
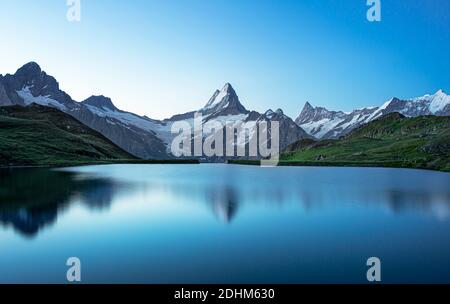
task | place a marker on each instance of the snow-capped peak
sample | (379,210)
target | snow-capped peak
(437,102)
(439,93)
(218,96)
(224,102)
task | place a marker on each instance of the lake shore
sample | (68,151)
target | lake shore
(392,164)
(115,162)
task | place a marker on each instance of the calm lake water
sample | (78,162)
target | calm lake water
(224,224)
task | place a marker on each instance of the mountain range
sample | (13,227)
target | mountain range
(151,139)
(324,124)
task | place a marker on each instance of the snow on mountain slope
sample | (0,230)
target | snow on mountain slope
(105,111)
(28,99)
(322,123)
(435,103)
(321,127)
(129,119)
(216,98)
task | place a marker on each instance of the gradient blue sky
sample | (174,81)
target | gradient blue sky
(163,57)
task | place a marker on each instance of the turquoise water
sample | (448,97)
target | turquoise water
(224,224)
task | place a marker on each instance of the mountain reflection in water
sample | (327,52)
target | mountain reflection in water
(32,199)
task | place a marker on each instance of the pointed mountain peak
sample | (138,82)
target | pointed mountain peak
(218,96)
(31,66)
(29,69)
(224,102)
(228,88)
(439,101)
(32,79)
(100,102)
(440,92)
(308,113)
(308,106)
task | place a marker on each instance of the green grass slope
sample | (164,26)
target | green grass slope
(391,141)
(43,136)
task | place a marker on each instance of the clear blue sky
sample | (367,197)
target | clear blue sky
(163,57)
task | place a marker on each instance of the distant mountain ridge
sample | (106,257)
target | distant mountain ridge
(323,124)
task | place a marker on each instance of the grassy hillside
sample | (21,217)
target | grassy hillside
(393,140)
(42,136)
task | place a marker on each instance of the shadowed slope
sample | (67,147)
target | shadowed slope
(38,135)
